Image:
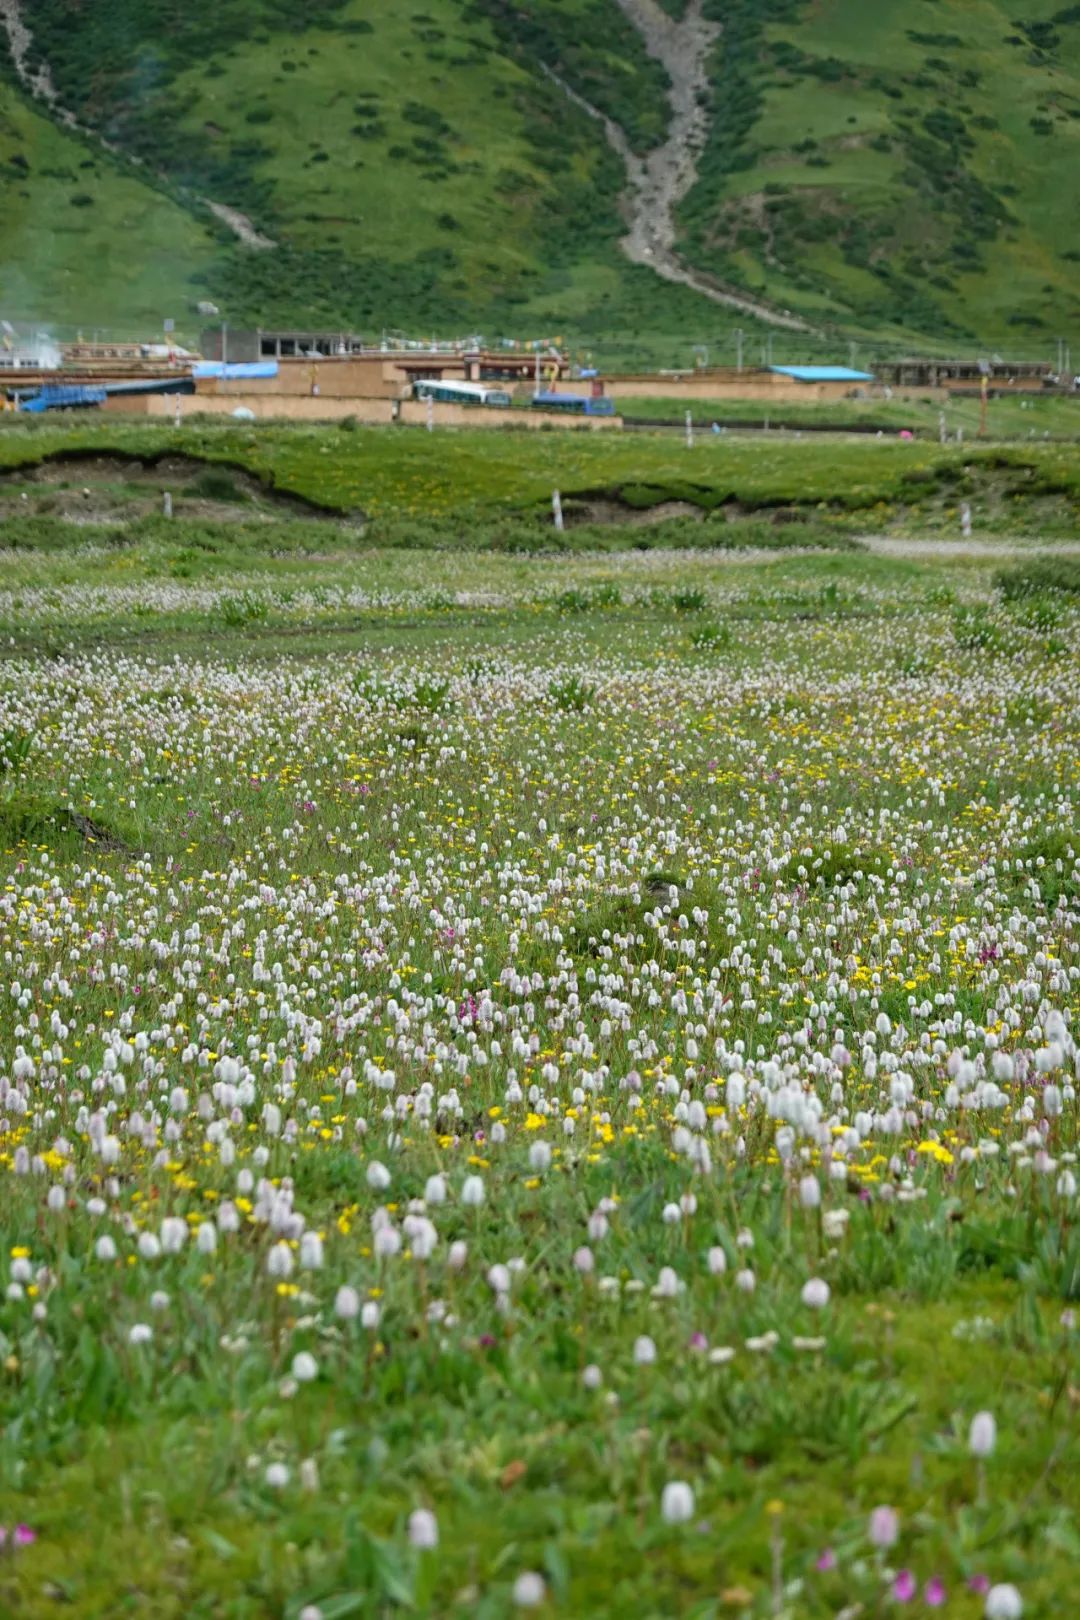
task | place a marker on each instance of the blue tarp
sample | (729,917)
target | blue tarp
(823,373)
(54,397)
(239,368)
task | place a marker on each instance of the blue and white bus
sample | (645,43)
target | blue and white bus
(460,393)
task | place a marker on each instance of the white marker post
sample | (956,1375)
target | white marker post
(166,504)
(430,414)
(689,431)
(965,521)
(943,432)
(176,412)
(556,510)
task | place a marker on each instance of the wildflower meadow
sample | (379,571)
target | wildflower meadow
(538,1084)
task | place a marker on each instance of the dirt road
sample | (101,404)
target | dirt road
(657,182)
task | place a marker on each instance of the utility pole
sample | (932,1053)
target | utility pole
(768,349)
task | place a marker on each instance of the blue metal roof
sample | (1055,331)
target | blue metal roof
(823,373)
(235,368)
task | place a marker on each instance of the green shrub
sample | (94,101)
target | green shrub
(1054,862)
(688,599)
(1039,612)
(242,610)
(711,637)
(430,694)
(836,864)
(15,746)
(1039,577)
(572,694)
(975,631)
(218,484)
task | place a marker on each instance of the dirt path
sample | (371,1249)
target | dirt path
(39,84)
(944,549)
(240,225)
(658,182)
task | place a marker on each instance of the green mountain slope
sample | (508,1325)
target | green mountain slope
(897,169)
(81,239)
(905,162)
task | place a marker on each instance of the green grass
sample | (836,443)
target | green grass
(417,169)
(866,169)
(235,1561)
(460,476)
(69,207)
(322,132)
(1033,416)
(332,805)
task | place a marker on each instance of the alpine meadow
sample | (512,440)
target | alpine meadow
(539,810)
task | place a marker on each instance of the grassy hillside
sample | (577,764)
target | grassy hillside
(410,171)
(901,163)
(81,237)
(896,168)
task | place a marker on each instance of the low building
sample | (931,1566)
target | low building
(247,405)
(780,385)
(368,373)
(914,372)
(28,351)
(845,377)
(256,343)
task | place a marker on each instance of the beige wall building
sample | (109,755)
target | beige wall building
(327,408)
(725,382)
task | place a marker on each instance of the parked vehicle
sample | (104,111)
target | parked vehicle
(575,404)
(460,393)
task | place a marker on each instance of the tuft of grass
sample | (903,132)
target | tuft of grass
(1040,577)
(1053,863)
(243,609)
(218,484)
(572,694)
(711,637)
